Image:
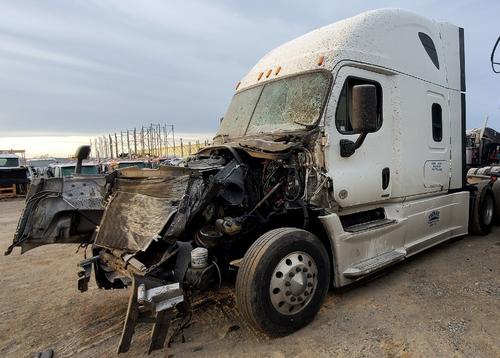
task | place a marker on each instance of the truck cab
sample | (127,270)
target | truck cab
(341,153)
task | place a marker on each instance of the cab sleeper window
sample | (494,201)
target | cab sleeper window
(344,106)
(437,122)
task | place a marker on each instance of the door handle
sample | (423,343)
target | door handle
(386,177)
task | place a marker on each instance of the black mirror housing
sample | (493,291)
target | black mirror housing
(364,108)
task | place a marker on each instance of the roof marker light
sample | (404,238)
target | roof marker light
(260,76)
(268,73)
(320,60)
(278,69)
(238,85)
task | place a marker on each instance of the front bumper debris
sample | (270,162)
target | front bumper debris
(150,302)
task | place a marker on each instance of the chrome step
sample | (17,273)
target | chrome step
(375,263)
(369,225)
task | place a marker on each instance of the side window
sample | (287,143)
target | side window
(429,48)
(437,122)
(344,106)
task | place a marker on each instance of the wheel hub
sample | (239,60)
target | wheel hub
(293,283)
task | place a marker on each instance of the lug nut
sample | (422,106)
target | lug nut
(305,269)
(291,274)
(288,293)
(293,299)
(309,275)
(309,284)
(306,293)
(299,299)
(287,283)
(297,269)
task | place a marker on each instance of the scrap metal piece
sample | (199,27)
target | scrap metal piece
(48,353)
(149,297)
(160,329)
(139,210)
(84,274)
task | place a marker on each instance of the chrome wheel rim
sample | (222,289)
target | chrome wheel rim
(293,283)
(488,210)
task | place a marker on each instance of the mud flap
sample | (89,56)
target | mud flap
(150,302)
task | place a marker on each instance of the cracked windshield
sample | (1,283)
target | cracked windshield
(288,104)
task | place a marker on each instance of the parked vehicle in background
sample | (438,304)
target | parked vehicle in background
(38,166)
(482,147)
(60,170)
(14,178)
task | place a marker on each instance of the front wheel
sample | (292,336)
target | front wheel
(283,281)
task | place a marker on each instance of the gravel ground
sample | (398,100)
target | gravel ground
(444,302)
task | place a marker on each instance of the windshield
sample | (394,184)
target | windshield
(288,104)
(86,169)
(9,162)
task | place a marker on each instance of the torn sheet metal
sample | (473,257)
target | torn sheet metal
(139,210)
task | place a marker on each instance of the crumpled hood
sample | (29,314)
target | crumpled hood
(141,205)
(159,204)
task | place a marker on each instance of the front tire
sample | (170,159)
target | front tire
(283,281)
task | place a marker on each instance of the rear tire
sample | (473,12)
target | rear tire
(482,212)
(496,193)
(283,281)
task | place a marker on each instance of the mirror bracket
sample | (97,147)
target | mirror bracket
(348,147)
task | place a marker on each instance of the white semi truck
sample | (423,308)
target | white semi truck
(342,152)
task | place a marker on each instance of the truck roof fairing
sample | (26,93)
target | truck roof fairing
(386,37)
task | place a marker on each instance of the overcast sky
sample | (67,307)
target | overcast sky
(78,67)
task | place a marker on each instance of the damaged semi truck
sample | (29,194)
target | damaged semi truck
(342,152)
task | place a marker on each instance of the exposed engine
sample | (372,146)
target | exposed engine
(219,203)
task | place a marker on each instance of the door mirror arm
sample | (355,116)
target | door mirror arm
(348,147)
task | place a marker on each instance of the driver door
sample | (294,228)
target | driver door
(365,176)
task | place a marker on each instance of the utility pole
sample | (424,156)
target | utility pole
(110,147)
(121,142)
(116,146)
(135,142)
(128,146)
(173,139)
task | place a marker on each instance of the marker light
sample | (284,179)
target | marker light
(278,69)
(268,73)
(238,85)
(320,60)
(260,76)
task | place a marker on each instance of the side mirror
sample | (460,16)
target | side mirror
(364,108)
(363,117)
(82,153)
(495,65)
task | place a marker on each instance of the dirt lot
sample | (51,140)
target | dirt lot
(445,302)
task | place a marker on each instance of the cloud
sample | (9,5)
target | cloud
(100,66)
